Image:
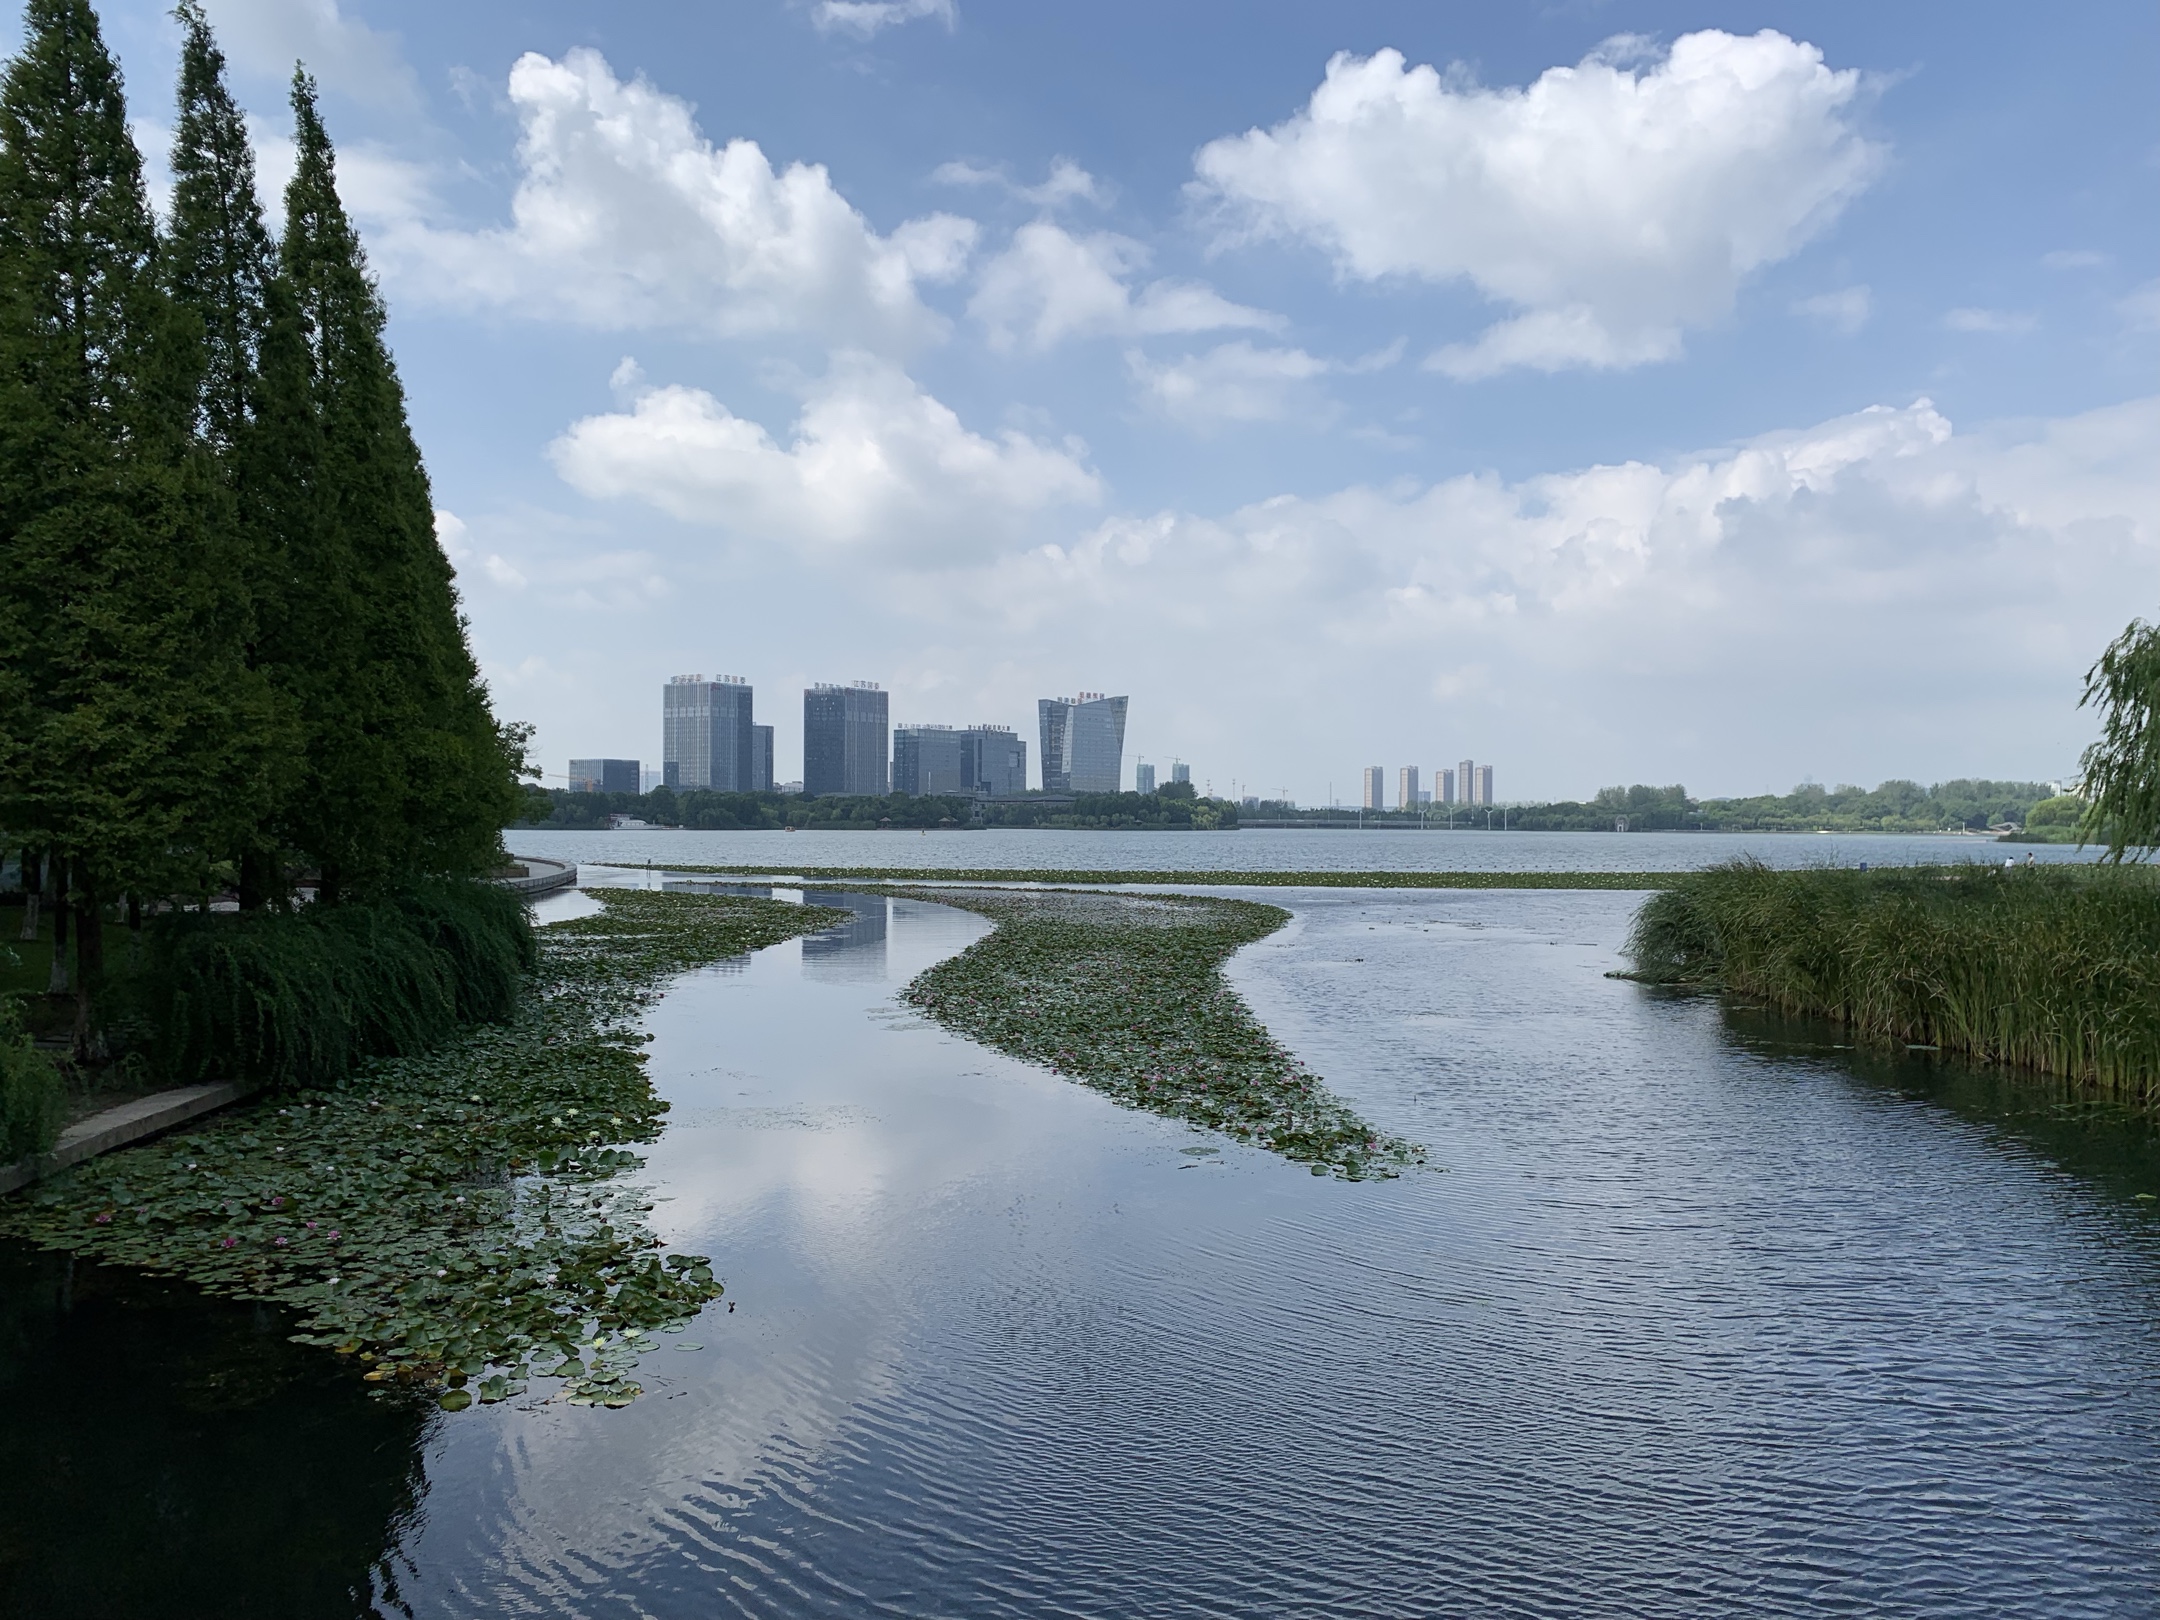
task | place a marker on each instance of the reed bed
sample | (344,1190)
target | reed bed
(2050,969)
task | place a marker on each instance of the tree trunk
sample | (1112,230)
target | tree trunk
(257,879)
(33,886)
(57,983)
(89,961)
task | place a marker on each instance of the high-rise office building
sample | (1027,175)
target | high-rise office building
(993,760)
(705,733)
(1376,787)
(761,759)
(845,731)
(1406,789)
(1484,784)
(1143,778)
(1181,772)
(974,759)
(1083,743)
(926,759)
(1443,786)
(604,776)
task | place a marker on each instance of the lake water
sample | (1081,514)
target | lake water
(1271,849)
(1700,1316)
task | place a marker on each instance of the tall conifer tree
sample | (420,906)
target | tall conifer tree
(219,256)
(219,267)
(418,776)
(125,696)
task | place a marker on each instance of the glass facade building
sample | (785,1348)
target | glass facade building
(845,737)
(941,759)
(604,776)
(1143,778)
(706,736)
(994,759)
(761,759)
(1083,743)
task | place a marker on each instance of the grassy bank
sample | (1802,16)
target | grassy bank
(1125,993)
(1211,879)
(2051,969)
(450,1219)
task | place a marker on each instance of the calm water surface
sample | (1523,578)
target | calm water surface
(1273,849)
(1702,1317)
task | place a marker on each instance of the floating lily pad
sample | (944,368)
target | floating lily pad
(454,1400)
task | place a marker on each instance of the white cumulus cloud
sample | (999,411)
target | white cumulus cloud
(874,464)
(864,18)
(626,216)
(1049,285)
(1613,205)
(1829,593)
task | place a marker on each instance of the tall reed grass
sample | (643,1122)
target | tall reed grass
(2054,969)
(304,999)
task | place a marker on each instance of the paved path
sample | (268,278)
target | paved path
(119,1126)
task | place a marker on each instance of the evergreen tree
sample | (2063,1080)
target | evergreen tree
(414,774)
(219,267)
(124,696)
(218,251)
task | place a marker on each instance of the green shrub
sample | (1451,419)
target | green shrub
(302,999)
(33,1100)
(2049,968)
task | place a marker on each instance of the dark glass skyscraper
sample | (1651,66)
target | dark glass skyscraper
(761,780)
(705,733)
(845,731)
(1083,743)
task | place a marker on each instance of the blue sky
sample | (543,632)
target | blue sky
(1719,394)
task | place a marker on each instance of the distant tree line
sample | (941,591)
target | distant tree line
(1175,808)
(231,655)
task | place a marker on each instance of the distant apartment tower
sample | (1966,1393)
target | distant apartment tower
(761,759)
(1143,778)
(1443,786)
(604,776)
(1376,787)
(1180,772)
(1406,789)
(1466,782)
(845,732)
(1484,785)
(705,733)
(1083,743)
